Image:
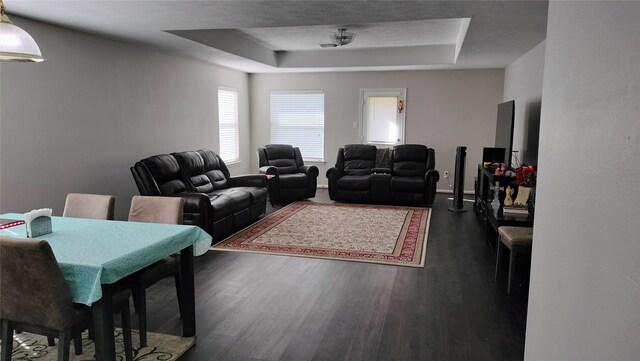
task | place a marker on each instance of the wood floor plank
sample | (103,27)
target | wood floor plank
(258,307)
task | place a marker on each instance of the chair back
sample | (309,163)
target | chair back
(286,158)
(411,160)
(156,209)
(32,287)
(94,206)
(359,159)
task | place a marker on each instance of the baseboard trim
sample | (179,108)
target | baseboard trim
(446,191)
(449,191)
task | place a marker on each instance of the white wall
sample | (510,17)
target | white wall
(523,83)
(79,120)
(584,298)
(444,109)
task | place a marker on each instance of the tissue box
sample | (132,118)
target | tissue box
(38,222)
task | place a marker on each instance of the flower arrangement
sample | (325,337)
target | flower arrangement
(526,175)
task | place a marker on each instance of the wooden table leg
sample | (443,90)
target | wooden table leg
(103,326)
(188,292)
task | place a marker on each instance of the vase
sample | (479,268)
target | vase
(531,202)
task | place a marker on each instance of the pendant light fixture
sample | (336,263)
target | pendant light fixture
(15,43)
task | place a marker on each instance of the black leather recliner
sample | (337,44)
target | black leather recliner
(410,178)
(292,180)
(214,201)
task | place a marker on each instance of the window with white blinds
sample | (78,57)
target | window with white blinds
(297,118)
(228,124)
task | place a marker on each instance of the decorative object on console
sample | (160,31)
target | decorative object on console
(363,233)
(526,175)
(508,201)
(15,43)
(38,222)
(523,196)
(495,203)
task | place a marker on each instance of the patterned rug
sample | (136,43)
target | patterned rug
(27,346)
(363,233)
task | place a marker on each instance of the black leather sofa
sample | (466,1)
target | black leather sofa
(292,180)
(407,176)
(214,201)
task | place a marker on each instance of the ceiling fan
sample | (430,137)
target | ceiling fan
(342,37)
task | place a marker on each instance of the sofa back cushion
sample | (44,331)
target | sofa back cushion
(192,166)
(410,160)
(359,159)
(164,172)
(215,169)
(281,156)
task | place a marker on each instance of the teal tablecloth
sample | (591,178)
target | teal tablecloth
(94,252)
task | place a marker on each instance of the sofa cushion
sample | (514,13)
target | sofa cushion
(257,194)
(215,169)
(241,200)
(297,180)
(408,184)
(222,206)
(410,160)
(355,182)
(359,159)
(165,170)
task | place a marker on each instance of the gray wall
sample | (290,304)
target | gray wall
(79,120)
(584,297)
(444,109)
(523,83)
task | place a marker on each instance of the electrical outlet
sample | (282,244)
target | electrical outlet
(446,174)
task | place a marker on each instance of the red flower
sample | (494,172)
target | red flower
(526,175)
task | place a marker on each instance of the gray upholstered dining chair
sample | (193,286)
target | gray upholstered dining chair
(95,206)
(153,210)
(34,297)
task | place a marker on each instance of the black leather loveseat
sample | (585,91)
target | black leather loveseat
(214,201)
(405,176)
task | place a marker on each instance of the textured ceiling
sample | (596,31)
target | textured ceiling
(372,35)
(499,31)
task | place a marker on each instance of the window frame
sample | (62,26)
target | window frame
(306,159)
(237,124)
(401,94)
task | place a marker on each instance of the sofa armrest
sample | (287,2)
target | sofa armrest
(269,169)
(381,170)
(432,175)
(249,180)
(431,179)
(333,174)
(310,170)
(197,210)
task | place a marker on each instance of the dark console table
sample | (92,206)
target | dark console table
(483,189)
(495,218)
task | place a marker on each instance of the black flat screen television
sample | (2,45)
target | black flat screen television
(504,129)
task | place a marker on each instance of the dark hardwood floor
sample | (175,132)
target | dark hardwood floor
(265,307)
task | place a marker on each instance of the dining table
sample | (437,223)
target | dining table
(94,254)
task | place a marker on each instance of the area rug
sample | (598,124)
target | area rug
(27,346)
(363,233)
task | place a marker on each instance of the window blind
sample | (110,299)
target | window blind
(228,124)
(297,118)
